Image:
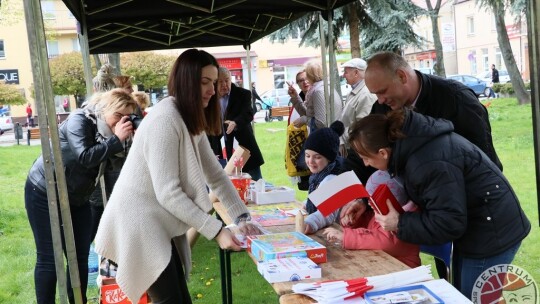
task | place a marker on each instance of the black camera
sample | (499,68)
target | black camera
(135,120)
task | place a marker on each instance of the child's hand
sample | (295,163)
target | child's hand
(333,234)
(307,229)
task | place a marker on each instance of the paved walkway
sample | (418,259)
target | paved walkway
(8,139)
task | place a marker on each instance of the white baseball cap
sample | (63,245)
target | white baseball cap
(356,63)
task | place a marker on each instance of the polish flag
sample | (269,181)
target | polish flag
(337,192)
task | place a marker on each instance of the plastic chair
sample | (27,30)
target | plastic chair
(443,253)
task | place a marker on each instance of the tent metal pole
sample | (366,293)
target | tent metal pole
(48,128)
(83,41)
(331,66)
(533,25)
(324,66)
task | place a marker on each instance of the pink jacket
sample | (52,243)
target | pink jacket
(370,235)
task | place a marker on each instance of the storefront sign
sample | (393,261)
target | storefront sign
(230,63)
(9,76)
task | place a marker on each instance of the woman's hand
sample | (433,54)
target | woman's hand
(333,234)
(124,128)
(298,122)
(227,240)
(390,221)
(292,91)
(351,213)
(247,228)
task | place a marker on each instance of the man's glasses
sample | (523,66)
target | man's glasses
(301,80)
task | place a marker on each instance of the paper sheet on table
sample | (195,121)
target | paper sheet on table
(337,192)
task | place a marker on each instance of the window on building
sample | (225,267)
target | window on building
(47,8)
(485,60)
(472,61)
(279,77)
(76,45)
(52,49)
(2,52)
(470,25)
(498,58)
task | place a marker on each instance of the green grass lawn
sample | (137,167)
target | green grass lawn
(512,131)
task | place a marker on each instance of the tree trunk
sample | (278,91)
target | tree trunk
(508,56)
(439,66)
(114,60)
(98,62)
(354,30)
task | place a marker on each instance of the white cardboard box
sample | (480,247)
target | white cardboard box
(289,269)
(280,194)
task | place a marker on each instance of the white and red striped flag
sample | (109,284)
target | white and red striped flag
(337,192)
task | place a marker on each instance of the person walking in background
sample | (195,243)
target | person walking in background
(357,105)
(313,110)
(494,74)
(143,228)
(29,116)
(494,80)
(88,137)
(254,97)
(237,114)
(462,195)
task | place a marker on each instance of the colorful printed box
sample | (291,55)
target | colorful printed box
(112,294)
(285,245)
(289,269)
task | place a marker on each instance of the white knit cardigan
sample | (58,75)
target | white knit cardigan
(160,194)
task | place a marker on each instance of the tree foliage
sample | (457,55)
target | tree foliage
(385,26)
(10,94)
(147,68)
(11,12)
(67,74)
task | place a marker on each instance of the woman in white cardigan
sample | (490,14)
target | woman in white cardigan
(161,191)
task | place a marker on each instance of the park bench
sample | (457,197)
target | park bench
(278,113)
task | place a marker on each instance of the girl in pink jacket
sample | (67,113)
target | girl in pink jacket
(361,231)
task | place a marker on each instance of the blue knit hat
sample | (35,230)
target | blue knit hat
(325,141)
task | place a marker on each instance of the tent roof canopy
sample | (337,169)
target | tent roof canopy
(139,25)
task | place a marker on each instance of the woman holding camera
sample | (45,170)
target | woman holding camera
(143,229)
(87,139)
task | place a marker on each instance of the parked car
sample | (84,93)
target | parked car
(273,98)
(503,76)
(6,123)
(479,86)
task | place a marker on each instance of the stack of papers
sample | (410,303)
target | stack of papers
(341,290)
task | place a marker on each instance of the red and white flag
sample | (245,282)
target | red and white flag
(337,192)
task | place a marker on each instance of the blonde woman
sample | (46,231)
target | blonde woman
(87,139)
(313,110)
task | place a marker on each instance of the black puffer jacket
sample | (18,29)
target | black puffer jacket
(82,155)
(463,196)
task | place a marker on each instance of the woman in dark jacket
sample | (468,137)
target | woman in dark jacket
(462,195)
(87,139)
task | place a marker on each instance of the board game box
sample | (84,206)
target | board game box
(284,245)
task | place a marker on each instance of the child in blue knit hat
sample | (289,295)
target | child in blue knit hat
(321,153)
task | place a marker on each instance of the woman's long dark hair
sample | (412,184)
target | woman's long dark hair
(376,131)
(185,86)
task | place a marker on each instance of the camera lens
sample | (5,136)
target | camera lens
(135,120)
